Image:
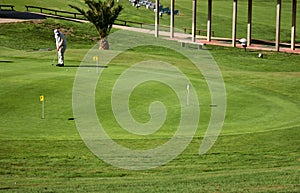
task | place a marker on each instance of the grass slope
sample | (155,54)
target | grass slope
(30,38)
(257,151)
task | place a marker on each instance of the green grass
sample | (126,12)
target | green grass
(257,151)
(31,38)
(55,4)
(264,14)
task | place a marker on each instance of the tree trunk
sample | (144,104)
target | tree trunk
(103,44)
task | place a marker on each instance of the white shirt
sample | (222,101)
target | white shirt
(60,40)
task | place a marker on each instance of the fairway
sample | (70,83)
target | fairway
(257,149)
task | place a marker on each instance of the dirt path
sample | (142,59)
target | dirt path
(9,20)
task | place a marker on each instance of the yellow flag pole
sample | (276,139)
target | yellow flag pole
(42,99)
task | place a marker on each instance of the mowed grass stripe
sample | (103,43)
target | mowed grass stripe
(247,163)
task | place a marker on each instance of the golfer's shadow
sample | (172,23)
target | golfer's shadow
(6,61)
(84,66)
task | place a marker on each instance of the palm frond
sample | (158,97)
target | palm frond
(101,13)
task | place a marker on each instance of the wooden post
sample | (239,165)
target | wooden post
(172,19)
(194,20)
(278,18)
(157,19)
(249,27)
(234,19)
(293,34)
(209,20)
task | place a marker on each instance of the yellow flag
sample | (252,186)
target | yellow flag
(42,98)
(95,58)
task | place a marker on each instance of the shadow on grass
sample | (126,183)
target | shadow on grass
(6,61)
(85,66)
(21,15)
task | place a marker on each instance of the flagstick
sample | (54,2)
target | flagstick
(97,63)
(42,99)
(43,110)
(187,94)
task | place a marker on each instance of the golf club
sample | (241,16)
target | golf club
(54,58)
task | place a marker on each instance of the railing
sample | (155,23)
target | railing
(11,7)
(75,15)
(53,10)
(125,22)
(200,31)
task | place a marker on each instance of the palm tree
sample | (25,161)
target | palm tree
(103,15)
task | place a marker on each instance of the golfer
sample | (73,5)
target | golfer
(61,45)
